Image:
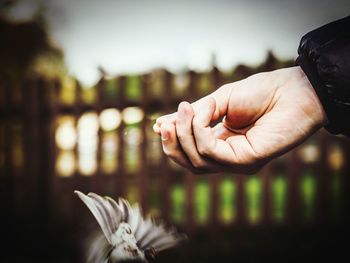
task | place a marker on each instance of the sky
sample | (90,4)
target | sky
(126,36)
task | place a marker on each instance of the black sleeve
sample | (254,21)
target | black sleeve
(324,56)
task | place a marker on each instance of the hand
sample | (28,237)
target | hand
(260,117)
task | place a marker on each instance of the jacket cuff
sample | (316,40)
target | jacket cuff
(331,110)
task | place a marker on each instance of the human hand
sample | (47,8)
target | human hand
(262,117)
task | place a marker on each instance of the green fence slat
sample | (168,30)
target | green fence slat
(133,88)
(227,204)
(178,203)
(202,202)
(308,186)
(279,198)
(253,188)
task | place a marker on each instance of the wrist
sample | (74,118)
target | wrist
(316,106)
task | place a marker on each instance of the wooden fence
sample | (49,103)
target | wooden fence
(57,136)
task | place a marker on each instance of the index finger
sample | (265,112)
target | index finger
(221,97)
(169,118)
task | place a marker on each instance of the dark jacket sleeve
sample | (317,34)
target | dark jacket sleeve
(324,56)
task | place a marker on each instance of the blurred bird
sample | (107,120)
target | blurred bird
(127,235)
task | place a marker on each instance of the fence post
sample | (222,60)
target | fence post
(6,176)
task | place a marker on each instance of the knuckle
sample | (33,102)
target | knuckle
(168,152)
(198,164)
(204,150)
(229,86)
(196,123)
(174,156)
(201,165)
(250,159)
(226,86)
(181,136)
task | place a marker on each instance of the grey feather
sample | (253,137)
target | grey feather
(107,212)
(97,249)
(110,214)
(90,203)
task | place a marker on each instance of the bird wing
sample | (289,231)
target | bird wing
(97,248)
(106,211)
(150,234)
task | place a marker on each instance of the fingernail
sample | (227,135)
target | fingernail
(164,135)
(156,128)
(182,107)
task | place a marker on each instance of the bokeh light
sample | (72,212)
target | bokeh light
(110,145)
(88,127)
(336,158)
(66,136)
(65,164)
(88,122)
(133,135)
(309,153)
(110,119)
(132,115)
(154,146)
(87,164)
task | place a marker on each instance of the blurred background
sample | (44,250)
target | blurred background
(81,84)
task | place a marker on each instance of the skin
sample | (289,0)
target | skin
(256,119)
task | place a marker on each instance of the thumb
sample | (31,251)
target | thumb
(205,114)
(202,131)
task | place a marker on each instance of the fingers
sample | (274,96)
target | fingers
(193,144)
(184,132)
(206,142)
(246,158)
(231,149)
(187,141)
(173,150)
(221,96)
(203,135)
(170,118)
(221,132)
(171,145)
